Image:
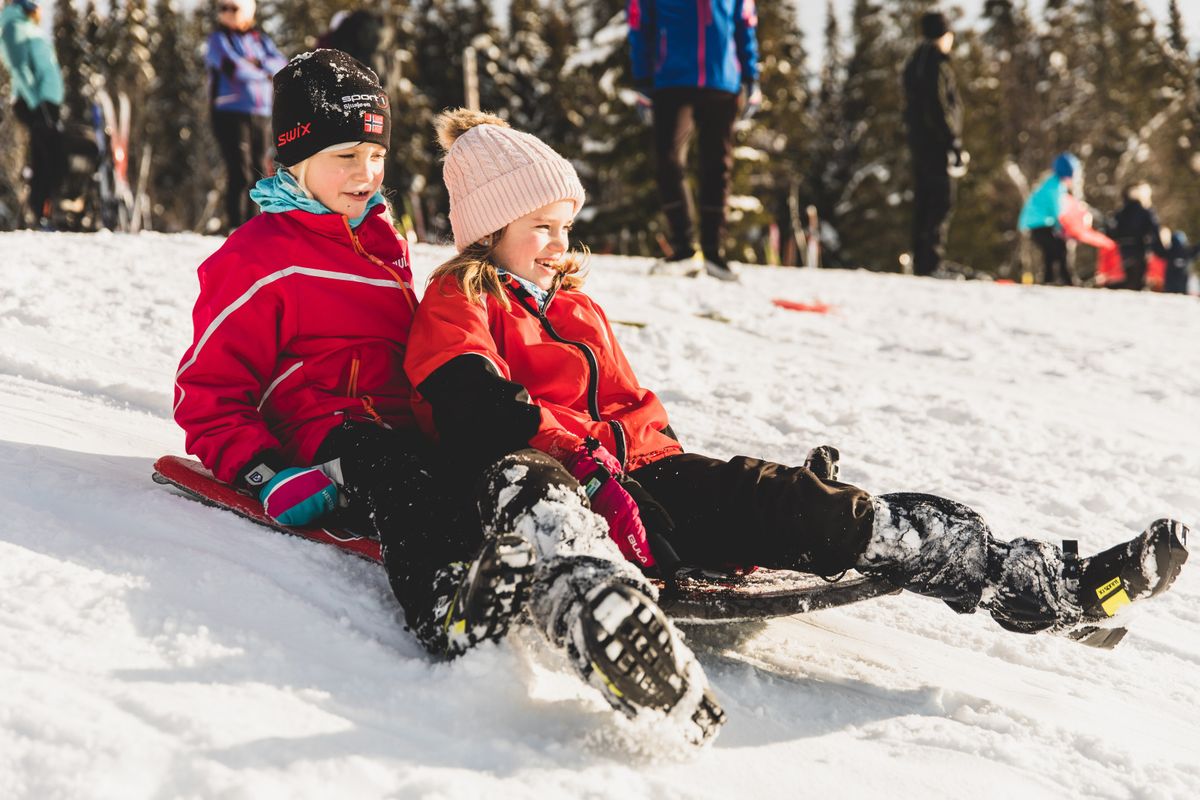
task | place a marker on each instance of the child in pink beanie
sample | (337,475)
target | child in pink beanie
(507,353)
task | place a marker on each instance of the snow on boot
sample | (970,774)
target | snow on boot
(929,545)
(822,461)
(624,646)
(490,595)
(719,268)
(1143,567)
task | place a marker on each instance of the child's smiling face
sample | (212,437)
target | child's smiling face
(533,246)
(344,180)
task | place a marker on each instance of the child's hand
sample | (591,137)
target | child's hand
(598,472)
(298,496)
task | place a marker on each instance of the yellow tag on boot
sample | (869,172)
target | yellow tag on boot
(1112,596)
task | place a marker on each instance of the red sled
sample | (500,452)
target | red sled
(696,595)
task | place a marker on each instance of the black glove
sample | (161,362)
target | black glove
(752,99)
(659,527)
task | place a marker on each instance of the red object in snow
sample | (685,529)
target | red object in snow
(190,476)
(792,305)
(1156,273)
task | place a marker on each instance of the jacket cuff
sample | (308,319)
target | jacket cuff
(260,469)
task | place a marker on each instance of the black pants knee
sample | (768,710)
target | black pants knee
(397,488)
(749,512)
(244,140)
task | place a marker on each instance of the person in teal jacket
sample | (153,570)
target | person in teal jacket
(37,85)
(1040,216)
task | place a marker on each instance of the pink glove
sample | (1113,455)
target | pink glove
(598,472)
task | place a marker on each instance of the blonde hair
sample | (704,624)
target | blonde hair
(474,270)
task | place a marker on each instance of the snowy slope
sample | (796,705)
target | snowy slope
(154,648)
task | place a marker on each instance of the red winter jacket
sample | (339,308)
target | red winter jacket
(567,359)
(300,321)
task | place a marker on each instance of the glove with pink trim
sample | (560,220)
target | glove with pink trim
(299,496)
(599,473)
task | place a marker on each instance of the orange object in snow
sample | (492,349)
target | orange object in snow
(1109,268)
(792,305)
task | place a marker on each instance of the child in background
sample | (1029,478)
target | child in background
(1041,217)
(508,352)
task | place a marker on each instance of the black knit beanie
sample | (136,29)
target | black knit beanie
(934,25)
(323,98)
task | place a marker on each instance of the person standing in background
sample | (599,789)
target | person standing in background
(695,66)
(1136,230)
(37,86)
(241,59)
(933,116)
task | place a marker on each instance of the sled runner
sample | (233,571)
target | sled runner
(696,595)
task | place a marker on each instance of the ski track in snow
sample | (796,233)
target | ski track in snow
(157,648)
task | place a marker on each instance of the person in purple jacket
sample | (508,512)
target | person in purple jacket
(695,66)
(241,59)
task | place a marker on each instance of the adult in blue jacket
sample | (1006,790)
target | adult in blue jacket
(1040,216)
(241,60)
(37,87)
(693,60)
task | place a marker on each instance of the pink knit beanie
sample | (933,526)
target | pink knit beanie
(495,174)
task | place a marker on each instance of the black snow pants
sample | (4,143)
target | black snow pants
(431,516)
(678,112)
(1054,256)
(748,512)
(933,198)
(244,141)
(47,155)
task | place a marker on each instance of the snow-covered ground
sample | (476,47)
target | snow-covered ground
(154,648)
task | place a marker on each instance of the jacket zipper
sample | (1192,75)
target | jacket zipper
(358,248)
(589,356)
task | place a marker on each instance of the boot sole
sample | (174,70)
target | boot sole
(628,644)
(494,591)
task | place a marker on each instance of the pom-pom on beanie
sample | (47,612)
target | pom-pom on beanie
(323,98)
(495,174)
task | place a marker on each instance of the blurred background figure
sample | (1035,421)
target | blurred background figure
(695,67)
(241,60)
(1179,257)
(933,117)
(357,33)
(37,87)
(1041,214)
(1135,229)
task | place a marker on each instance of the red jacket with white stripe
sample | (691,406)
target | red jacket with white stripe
(300,321)
(498,379)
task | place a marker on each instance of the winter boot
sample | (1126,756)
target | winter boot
(491,592)
(1107,582)
(606,620)
(940,548)
(822,461)
(624,646)
(719,268)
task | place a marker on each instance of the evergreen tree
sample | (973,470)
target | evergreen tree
(871,223)
(830,168)
(177,121)
(1178,38)
(69,46)
(778,140)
